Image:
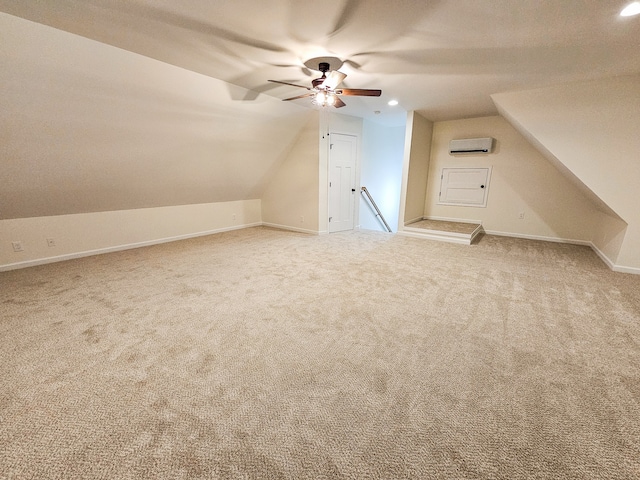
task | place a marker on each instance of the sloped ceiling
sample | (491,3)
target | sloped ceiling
(87,127)
(140,103)
(442,58)
(591,129)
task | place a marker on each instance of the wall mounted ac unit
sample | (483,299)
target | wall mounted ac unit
(471,145)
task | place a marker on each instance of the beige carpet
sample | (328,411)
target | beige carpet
(445,226)
(261,354)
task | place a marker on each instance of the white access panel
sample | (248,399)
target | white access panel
(467,187)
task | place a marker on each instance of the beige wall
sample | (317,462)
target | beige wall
(415,169)
(291,197)
(88,127)
(78,235)
(592,128)
(104,149)
(522,180)
(296,197)
(608,235)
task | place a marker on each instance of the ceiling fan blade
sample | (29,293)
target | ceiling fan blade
(362,92)
(287,83)
(334,79)
(299,96)
(339,103)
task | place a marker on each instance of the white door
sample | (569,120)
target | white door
(342,181)
(464,186)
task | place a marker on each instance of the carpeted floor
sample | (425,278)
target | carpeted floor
(261,354)
(445,226)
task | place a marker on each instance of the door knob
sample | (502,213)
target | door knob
(481,186)
(353,189)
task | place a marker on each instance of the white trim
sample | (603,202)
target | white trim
(117,248)
(607,261)
(613,266)
(451,237)
(406,160)
(355,213)
(476,232)
(457,220)
(485,199)
(291,229)
(420,233)
(538,237)
(631,270)
(413,220)
(602,256)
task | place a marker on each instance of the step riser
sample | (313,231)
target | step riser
(442,235)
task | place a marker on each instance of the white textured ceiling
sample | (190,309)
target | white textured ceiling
(443,58)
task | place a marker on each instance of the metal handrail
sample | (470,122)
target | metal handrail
(364,189)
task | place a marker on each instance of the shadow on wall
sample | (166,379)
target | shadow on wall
(528,195)
(381,173)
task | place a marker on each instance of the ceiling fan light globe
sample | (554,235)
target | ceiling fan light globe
(331,100)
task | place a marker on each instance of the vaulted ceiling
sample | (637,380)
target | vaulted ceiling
(128,104)
(442,58)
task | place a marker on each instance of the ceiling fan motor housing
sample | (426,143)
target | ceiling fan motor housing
(324,91)
(324,68)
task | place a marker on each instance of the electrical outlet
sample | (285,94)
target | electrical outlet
(233,216)
(17,246)
(521,216)
(51,242)
(301,218)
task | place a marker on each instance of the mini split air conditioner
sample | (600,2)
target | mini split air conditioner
(471,145)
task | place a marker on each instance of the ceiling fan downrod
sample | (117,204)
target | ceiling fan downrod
(324,68)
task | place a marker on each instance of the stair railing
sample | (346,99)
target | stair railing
(373,204)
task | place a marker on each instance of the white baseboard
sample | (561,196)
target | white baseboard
(613,266)
(413,220)
(421,234)
(291,229)
(622,269)
(607,261)
(603,257)
(457,220)
(117,248)
(538,237)
(573,241)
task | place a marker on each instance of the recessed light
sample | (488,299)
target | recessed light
(630,10)
(393,103)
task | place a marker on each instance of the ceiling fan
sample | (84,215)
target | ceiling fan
(324,89)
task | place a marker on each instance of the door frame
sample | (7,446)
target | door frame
(356,194)
(331,123)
